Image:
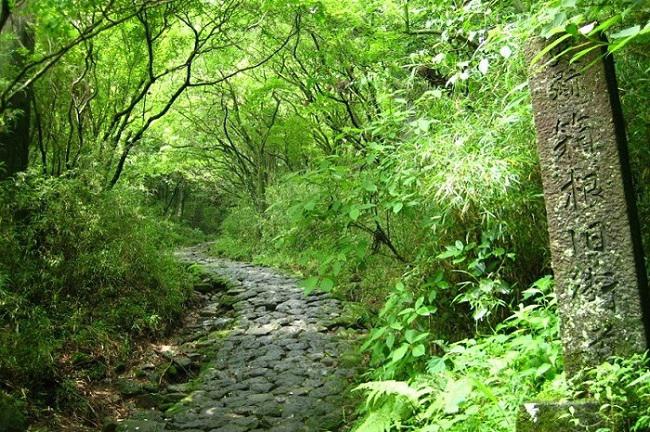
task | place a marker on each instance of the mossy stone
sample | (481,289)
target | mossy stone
(227,300)
(575,416)
(130,388)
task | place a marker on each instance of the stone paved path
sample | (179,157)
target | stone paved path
(278,369)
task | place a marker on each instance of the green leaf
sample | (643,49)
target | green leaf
(355,213)
(418,350)
(370,187)
(628,32)
(542,369)
(309,284)
(409,335)
(571,29)
(397,207)
(390,341)
(549,47)
(399,353)
(455,394)
(450,252)
(436,365)
(327,284)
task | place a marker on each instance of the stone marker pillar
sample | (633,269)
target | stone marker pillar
(596,253)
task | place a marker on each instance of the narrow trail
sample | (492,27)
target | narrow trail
(277,369)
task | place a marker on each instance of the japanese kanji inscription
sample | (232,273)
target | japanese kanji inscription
(595,246)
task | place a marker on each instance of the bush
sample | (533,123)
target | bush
(82,270)
(239,233)
(478,384)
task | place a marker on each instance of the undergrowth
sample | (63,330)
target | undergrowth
(83,272)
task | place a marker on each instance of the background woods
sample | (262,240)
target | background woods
(382,150)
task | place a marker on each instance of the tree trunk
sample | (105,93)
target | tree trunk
(180,203)
(15,133)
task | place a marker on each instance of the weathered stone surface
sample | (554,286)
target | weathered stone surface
(273,370)
(560,417)
(596,254)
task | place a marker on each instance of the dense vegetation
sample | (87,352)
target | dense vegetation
(383,150)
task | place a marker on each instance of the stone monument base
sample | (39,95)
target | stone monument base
(550,416)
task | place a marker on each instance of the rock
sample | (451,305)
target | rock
(129,387)
(141,426)
(263,329)
(203,287)
(183,362)
(178,388)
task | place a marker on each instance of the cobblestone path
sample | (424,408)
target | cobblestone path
(278,369)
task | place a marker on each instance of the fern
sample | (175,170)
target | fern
(378,389)
(379,420)
(387,403)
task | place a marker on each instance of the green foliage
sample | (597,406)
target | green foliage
(11,417)
(419,193)
(84,269)
(478,384)
(622,386)
(238,240)
(384,150)
(411,319)
(623,21)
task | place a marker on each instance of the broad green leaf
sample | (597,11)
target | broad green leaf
(370,187)
(327,284)
(418,350)
(548,48)
(436,365)
(400,352)
(309,284)
(571,29)
(390,341)
(628,32)
(455,394)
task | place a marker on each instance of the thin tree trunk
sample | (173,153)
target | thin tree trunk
(15,135)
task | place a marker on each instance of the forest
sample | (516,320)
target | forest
(194,192)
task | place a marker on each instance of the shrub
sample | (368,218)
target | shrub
(80,267)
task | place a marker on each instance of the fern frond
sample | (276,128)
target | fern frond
(380,419)
(378,389)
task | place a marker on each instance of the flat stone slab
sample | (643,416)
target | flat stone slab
(277,369)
